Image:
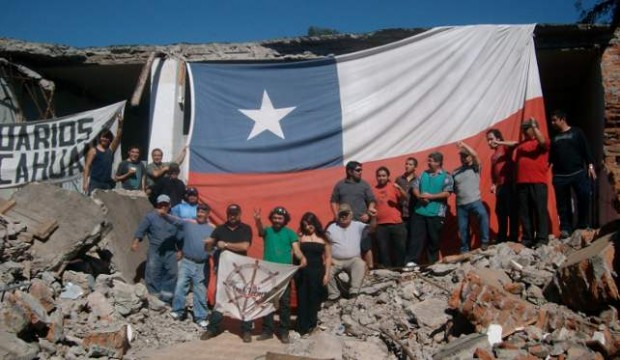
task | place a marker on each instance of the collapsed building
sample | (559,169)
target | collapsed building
(70,286)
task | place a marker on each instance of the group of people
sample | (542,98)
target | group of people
(396,219)
(410,212)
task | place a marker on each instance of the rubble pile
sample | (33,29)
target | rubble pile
(558,301)
(66,294)
(69,291)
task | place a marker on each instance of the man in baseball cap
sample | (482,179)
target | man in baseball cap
(161,262)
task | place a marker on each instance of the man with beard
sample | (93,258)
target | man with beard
(280,242)
(99,159)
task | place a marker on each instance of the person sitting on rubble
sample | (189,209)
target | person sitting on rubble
(187,208)
(158,169)
(280,243)
(171,186)
(131,172)
(346,237)
(99,159)
(194,258)
(161,260)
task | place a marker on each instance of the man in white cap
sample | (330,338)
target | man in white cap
(161,261)
(346,235)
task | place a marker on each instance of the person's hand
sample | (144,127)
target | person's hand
(459,144)
(257,213)
(364,217)
(325,279)
(303,262)
(179,255)
(494,143)
(398,187)
(372,212)
(85,188)
(131,170)
(592,172)
(221,245)
(135,246)
(493,189)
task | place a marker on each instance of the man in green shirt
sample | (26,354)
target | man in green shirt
(280,242)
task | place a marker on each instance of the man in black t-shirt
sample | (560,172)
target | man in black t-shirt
(573,168)
(232,236)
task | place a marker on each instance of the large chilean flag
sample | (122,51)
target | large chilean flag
(273,134)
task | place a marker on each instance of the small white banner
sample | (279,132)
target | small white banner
(249,288)
(50,150)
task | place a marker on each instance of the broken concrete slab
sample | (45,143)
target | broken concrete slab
(77,231)
(429,313)
(12,347)
(586,281)
(125,211)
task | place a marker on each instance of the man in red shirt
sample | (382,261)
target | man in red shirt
(532,161)
(391,232)
(503,178)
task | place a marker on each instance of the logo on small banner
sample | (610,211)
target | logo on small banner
(249,288)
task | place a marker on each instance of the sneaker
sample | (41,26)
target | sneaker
(176,316)
(484,246)
(564,235)
(284,338)
(203,324)
(247,337)
(209,335)
(411,266)
(264,336)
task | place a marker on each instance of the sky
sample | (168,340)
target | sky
(82,23)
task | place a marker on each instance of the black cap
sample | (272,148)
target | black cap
(191,191)
(233,209)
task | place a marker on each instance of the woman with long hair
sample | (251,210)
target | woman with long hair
(312,279)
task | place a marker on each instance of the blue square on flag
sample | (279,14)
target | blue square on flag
(265,118)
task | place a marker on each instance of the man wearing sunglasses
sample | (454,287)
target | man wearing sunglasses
(354,191)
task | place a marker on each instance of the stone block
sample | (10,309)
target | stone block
(13,319)
(585,282)
(56,327)
(429,313)
(42,292)
(111,342)
(32,308)
(12,347)
(77,231)
(483,301)
(125,212)
(100,306)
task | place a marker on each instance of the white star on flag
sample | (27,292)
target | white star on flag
(267,118)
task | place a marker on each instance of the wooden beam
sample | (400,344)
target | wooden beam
(144,75)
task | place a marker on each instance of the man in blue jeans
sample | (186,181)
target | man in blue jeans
(161,260)
(468,201)
(573,169)
(191,266)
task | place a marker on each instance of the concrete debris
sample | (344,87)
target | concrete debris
(587,281)
(78,295)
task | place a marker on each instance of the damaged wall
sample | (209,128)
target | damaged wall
(577,74)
